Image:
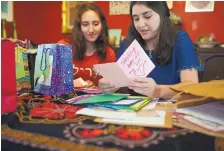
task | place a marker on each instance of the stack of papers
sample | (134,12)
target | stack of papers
(111,101)
(213,111)
(130,103)
(208,116)
(161,119)
(205,123)
(123,109)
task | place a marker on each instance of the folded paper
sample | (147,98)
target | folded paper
(192,94)
(133,63)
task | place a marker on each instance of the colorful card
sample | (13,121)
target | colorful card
(100,98)
(20,72)
(91,91)
(131,103)
(125,102)
(78,98)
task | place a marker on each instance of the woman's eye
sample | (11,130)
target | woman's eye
(148,17)
(84,25)
(136,19)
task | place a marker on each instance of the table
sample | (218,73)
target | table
(45,123)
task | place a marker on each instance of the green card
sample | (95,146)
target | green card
(134,107)
(20,71)
(102,98)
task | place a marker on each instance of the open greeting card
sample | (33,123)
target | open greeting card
(133,63)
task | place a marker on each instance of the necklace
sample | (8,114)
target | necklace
(148,52)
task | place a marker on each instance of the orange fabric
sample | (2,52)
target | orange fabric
(84,68)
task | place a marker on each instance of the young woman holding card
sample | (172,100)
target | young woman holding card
(90,42)
(171,51)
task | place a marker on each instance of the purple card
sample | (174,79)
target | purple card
(78,98)
(90,90)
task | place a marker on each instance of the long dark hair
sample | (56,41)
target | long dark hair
(165,37)
(78,40)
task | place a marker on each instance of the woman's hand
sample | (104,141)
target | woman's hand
(106,86)
(95,72)
(144,86)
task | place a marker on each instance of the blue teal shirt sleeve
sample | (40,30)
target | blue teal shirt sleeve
(121,50)
(185,53)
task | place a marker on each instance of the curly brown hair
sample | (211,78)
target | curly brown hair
(166,35)
(78,40)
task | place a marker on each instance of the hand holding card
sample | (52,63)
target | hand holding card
(133,63)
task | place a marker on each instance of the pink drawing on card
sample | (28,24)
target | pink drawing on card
(133,62)
(138,69)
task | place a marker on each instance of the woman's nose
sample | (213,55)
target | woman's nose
(141,23)
(91,29)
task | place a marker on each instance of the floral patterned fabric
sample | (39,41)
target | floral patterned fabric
(51,110)
(46,123)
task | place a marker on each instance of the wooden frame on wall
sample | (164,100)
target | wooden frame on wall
(199,6)
(68,15)
(119,7)
(7,10)
(122,7)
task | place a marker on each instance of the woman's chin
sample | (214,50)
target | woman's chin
(147,37)
(91,39)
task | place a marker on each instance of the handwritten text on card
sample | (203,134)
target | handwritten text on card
(135,62)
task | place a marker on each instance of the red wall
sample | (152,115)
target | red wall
(41,21)
(115,21)
(38,21)
(208,22)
